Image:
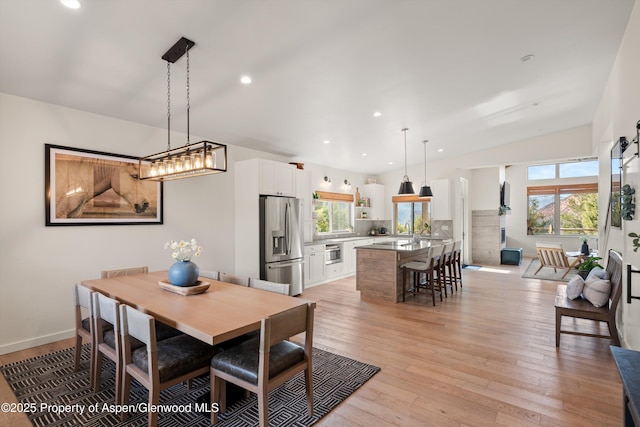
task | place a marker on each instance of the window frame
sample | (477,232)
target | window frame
(557,190)
(413,199)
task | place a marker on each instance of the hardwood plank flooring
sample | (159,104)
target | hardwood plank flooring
(486,356)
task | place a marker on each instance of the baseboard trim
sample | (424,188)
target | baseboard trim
(34,342)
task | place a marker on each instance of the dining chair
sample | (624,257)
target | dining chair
(262,364)
(105,310)
(237,280)
(163,331)
(428,267)
(265,285)
(158,364)
(210,274)
(105,274)
(84,326)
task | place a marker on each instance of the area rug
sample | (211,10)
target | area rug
(547,273)
(49,385)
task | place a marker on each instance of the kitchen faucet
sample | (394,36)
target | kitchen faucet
(408,227)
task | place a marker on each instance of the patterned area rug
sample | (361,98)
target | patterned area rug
(547,273)
(49,384)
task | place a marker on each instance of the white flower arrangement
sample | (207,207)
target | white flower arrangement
(183,251)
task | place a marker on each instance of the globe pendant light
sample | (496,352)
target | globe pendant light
(406,187)
(425,190)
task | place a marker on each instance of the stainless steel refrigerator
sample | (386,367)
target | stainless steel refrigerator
(281,243)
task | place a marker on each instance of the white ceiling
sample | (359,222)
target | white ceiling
(449,70)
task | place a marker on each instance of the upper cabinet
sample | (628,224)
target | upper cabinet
(375,192)
(441,201)
(276,178)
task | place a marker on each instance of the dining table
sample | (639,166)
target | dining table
(224,311)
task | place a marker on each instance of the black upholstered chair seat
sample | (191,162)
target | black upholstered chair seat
(163,332)
(86,324)
(242,360)
(172,362)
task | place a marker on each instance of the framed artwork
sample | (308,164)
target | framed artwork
(616,184)
(84,187)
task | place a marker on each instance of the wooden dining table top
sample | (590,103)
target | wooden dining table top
(223,312)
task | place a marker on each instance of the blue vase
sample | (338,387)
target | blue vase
(183,273)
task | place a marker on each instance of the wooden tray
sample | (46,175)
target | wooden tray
(198,288)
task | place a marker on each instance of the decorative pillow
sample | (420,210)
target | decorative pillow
(574,287)
(597,291)
(599,273)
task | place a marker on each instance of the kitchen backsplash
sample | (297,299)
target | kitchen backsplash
(442,229)
(363,228)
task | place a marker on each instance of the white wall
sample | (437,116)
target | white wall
(617,115)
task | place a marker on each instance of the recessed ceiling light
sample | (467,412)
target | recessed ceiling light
(364,154)
(377,114)
(326,141)
(390,163)
(71,4)
(245,80)
(527,58)
(440,150)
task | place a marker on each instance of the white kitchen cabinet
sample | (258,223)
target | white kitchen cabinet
(376,193)
(334,270)
(314,264)
(441,200)
(276,178)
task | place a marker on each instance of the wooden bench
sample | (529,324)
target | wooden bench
(581,308)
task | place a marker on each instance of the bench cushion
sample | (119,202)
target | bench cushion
(575,287)
(597,291)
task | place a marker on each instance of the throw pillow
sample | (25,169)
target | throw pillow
(599,273)
(597,291)
(574,287)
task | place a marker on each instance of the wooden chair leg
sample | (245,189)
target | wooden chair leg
(126,389)
(404,283)
(263,405)
(613,331)
(433,290)
(154,399)
(558,325)
(76,358)
(97,371)
(308,380)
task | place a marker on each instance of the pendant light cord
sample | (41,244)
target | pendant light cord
(405,150)
(188,100)
(425,161)
(168,106)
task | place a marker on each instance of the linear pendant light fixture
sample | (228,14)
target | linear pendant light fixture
(425,190)
(406,187)
(197,159)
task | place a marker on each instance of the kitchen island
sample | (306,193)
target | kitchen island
(378,272)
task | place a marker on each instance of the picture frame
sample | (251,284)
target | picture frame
(616,185)
(86,187)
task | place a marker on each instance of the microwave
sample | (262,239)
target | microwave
(333,254)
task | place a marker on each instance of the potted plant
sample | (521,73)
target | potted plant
(587,265)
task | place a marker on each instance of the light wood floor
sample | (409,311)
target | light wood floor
(486,356)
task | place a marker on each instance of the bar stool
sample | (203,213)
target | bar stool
(445,269)
(456,263)
(429,269)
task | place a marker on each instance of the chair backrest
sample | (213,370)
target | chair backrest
(614,268)
(237,280)
(124,272)
(265,285)
(138,325)
(210,274)
(552,254)
(456,245)
(284,325)
(82,300)
(438,252)
(106,308)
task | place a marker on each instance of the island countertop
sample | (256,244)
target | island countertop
(378,267)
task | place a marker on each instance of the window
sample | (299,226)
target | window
(333,216)
(412,215)
(563,199)
(334,212)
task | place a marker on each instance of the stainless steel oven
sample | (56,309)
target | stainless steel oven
(333,253)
